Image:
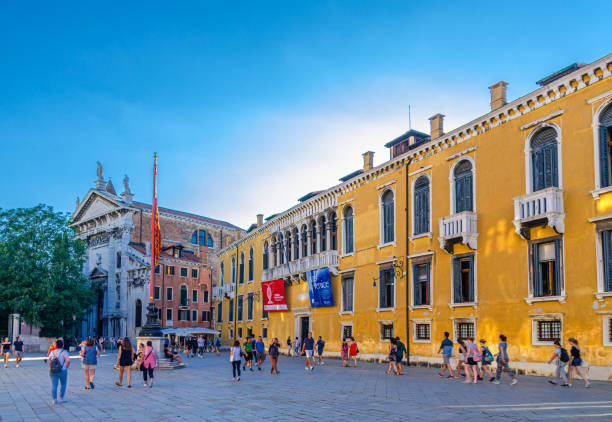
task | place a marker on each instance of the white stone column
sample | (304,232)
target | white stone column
(309,239)
(300,245)
(328,226)
(319,239)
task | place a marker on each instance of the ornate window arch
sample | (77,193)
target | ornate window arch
(467,189)
(313,235)
(222,273)
(233,269)
(210,242)
(266,255)
(201,237)
(421,205)
(304,234)
(296,243)
(288,246)
(348,232)
(387,216)
(543,157)
(602,133)
(323,233)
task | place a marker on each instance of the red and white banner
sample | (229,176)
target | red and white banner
(273,293)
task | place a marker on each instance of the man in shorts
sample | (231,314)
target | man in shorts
(260,352)
(248,351)
(320,347)
(446,348)
(309,351)
(399,354)
(18,350)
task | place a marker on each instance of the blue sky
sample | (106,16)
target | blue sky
(250,105)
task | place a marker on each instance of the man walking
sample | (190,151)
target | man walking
(309,351)
(561,357)
(248,351)
(201,347)
(320,346)
(400,351)
(18,351)
(296,346)
(260,352)
(446,348)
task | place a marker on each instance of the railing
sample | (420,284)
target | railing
(545,204)
(323,259)
(462,225)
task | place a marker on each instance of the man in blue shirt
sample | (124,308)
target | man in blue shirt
(446,348)
(320,346)
(309,351)
(260,352)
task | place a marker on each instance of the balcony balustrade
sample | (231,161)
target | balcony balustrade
(458,228)
(544,207)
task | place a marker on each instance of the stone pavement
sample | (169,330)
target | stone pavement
(204,391)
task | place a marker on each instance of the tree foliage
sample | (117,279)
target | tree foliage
(41,269)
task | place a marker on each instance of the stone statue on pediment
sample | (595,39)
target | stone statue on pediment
(126,184)
(100,171)
(78,202)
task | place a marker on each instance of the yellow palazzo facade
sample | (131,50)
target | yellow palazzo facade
(500,226)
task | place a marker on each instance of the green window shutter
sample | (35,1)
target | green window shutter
(428,270)
(537,281)
(558,267)
(604,166)
(457,280)
(472,295)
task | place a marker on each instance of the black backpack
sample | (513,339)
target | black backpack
(56,367)
(564,357)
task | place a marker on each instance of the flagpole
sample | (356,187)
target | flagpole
(153,211)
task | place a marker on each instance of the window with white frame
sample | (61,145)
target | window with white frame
(194,315)
(220,312)
(463,279)
(349,236)
(157,293)
(605,146)
(421,205)
(546,331)
(231,310)
(607,330)
(250,306)
(421,287)
(347,286)
(205,316)
(168,314)
(422,331)
(606,252)
(194,296)
(264,332)
(184,272)
(386,289)
(546,273)
(464,186)
(347,332)
(239,332)
(169,293)
(205,296)
(388,216)
(465,329)
(386,330)
(544,164)
(194,273)
(240,308)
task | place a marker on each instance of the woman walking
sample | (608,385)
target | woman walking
(353,351)
(274,352)
(6,350)
(503,361)
(576,363)
(149,362)
(392,355)
(487,359)
(90,354)
(288,346)
(236,358)
(461,358)
(344,353)
(59,362)
(125,359)
(473,357)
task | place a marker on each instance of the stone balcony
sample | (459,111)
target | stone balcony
(298,266)
(458,228)
(544,207)
(220,291)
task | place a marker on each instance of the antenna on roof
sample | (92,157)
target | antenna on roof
(409,118)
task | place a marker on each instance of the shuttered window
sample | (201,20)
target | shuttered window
(349,246)
(463,279)
(388,217)
(605,141)
(347,294)
(421,283)
(250,307)
(464,191)
(266,256)
(386,288)
(546,268)
(606,243)
(421,205)
(544,159)
(240,307)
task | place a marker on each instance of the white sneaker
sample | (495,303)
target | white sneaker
(306,368)
(496,382)
(17,366)
(514,382)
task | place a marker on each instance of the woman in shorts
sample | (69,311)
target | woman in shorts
(576,363)
(6,350)
(90,354)
(392,357)
(460,358)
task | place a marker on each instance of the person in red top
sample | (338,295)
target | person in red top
(52,347)
(353,351)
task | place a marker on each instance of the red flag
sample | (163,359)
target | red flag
(155,233)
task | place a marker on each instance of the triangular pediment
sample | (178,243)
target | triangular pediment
(98,272)
(95,204)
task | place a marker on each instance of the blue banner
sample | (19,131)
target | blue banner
(320,288)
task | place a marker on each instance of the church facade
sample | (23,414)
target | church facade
(117,231)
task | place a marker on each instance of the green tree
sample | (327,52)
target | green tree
(41,269)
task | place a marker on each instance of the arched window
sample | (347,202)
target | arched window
(194,238)
(281,248)
(266,256)
(544,159)
(323,233)
(251,264)
(288,247)
(241,274)
(233,269)
(333,245)
(313,239)
(184,296)
(304,241)
(210,241)
(222,273)
(138,322)
(464,190)
(296,244)
(348,241)
(421,205)
(273,249)
(388,217)
(605,146)
(202,237)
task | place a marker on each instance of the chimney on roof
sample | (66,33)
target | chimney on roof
(368,160)
(259,220)
(436,123)
(498,95)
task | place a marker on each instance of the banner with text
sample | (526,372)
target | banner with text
(273,293)
(320,288)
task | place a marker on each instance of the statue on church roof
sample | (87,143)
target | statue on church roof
(78,202)
(99,171)
(126,185)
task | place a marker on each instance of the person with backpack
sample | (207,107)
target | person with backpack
(320,347)
(561,358)
(446,348)
(473,358)
(59,362)
(89,354)
(487,360)
(576,363)
(503,361)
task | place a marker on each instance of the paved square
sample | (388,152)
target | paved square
(205,391)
